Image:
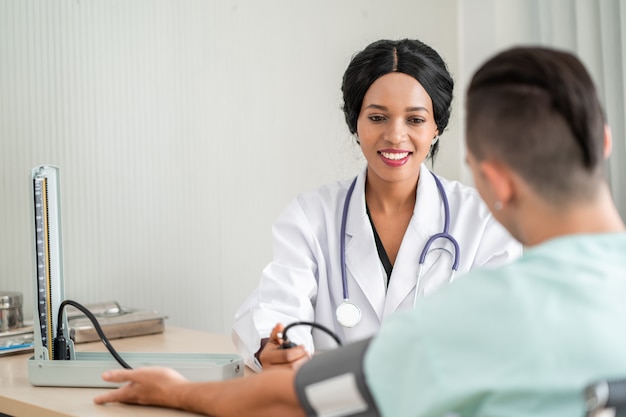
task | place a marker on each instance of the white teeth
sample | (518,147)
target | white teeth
(394,155)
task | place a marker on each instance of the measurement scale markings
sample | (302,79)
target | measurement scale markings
(43,263)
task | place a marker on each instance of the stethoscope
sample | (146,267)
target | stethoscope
(348,313)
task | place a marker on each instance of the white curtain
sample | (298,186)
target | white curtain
(595,30)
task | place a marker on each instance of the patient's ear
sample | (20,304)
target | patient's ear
(608,142)
(500,180)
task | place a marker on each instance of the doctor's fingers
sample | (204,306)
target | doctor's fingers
(271,357)
(276,337)
(290,365)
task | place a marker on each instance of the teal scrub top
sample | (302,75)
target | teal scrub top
(519,340)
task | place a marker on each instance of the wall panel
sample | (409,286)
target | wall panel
(181,129)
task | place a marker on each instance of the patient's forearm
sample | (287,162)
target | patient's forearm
(270,393)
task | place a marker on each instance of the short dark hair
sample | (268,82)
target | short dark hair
(537,110)
(408,56)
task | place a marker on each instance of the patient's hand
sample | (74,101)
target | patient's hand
(146,386)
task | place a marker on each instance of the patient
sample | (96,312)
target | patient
(522,339)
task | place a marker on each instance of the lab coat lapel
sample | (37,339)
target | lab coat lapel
(426,221)
(362,261)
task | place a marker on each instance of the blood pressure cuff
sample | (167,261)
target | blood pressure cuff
(333,384)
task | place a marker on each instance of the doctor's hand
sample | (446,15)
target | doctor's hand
(272,356)
(146,386)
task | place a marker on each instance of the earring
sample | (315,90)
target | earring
(432,144)
(497,206)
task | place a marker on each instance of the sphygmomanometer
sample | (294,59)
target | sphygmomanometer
(55,362)
(334,383)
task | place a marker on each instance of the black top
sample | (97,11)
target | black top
(382,253)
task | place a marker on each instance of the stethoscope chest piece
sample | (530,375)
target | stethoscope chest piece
(348,314)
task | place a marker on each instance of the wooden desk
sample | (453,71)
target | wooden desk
(19,398)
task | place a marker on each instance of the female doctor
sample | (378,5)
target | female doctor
(351,253)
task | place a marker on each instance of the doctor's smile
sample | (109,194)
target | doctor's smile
(394,158)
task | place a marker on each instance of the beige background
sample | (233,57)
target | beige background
(182,128)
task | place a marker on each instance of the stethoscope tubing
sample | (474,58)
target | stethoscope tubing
(445,234)
(342,241)
(446,228)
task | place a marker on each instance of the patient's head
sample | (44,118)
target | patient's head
(537,111)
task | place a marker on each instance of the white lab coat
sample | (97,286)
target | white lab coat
(303,281)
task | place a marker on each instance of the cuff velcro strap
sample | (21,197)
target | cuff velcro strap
(333,384)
